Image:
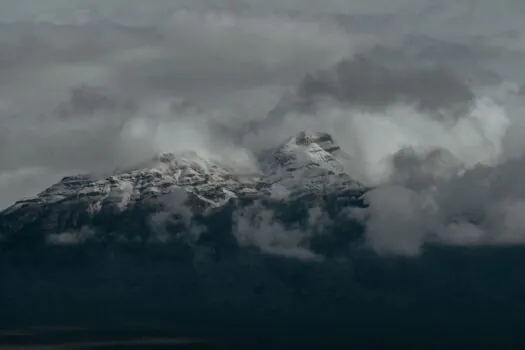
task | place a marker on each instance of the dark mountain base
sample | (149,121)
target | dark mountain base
(446,296)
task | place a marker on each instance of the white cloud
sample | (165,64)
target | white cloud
(234,60)
(256,227)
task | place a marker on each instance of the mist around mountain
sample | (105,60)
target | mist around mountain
(348,167)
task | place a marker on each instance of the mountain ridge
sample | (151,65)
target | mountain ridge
(184,191)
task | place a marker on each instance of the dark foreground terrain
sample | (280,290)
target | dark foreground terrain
(102,296)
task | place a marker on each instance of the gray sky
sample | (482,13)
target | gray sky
(91,85)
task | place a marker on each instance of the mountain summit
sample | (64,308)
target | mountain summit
(306,167)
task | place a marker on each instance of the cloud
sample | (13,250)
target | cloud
(95,95)
(364,83)
(423,96)
(479,206)
(175,220)
(257,227)
(71,238)
(396,222)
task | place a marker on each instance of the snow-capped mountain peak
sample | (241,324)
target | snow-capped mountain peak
(306,147)
(308,160)
(306,163)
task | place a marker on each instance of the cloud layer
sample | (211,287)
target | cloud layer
(424,96)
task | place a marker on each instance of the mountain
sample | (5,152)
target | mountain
(186,197)
(220,253)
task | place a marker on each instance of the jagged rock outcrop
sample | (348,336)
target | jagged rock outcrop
(174,194)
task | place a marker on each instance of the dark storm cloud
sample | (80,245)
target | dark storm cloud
(364,83)
(419,93)
(91,94)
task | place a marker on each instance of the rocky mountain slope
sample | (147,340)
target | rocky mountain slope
(176,194)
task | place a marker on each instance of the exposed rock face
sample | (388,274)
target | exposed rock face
(179,193)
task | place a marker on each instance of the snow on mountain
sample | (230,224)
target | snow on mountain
(309,162)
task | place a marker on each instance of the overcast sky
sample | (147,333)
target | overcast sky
(411,85)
